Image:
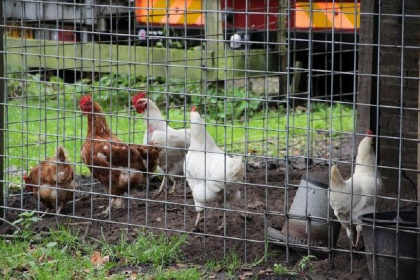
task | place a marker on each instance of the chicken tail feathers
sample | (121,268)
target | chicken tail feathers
(61,155)
(233,196)
(336,178)
(236,167)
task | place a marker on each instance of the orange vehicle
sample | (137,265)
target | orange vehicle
(187,18)
(256,21)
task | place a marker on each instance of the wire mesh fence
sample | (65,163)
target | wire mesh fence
(222,120)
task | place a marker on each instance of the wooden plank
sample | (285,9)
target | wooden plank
(213,28)
(23,54)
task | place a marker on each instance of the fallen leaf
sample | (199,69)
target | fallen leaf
(133,275)
(265,271)
(5,271)
(246,275)
(41,258)
(97,259)
(105,259)
(123,261)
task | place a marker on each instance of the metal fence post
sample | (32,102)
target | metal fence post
(2,100)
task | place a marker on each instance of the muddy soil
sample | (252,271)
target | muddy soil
(262,205)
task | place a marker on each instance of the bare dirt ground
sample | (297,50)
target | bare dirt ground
(264,195)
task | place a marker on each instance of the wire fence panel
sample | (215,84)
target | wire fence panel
(268,128)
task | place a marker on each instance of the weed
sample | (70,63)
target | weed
(230,264)
(147,248)
(179,274)
(26,220)
(305,264)
(281,270)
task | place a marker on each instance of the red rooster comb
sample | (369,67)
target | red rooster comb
(369,132)
(85,99)
(138,96)
(193,109)
(25,177)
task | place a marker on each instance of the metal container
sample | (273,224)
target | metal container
(308,215)
(384,240)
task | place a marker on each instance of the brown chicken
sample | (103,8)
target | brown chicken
(50,180)
(115,164)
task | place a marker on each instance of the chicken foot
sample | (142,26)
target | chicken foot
(116,202)
(173,189)
(222,225)
(60,208)
(46,212)
(200,218)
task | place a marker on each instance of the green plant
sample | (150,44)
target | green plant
(147,248)
(281,270)
(229,104)
(179,274)
(26,220)
(306,264)
(230,264)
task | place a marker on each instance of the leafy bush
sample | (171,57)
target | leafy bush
(114,89)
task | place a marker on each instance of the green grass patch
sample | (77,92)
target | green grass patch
(62,253)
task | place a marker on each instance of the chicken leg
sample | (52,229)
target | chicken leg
(116,202)
(198,219)
(173,187)
(222,225)
(60,207)
(46,212)
(162,184)
(359,229)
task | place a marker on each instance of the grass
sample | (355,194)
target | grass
(36,128)
(62,253)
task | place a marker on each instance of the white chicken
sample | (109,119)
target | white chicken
(356,196)
(209,170)
(174,142)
